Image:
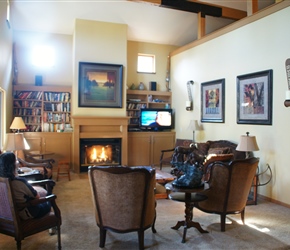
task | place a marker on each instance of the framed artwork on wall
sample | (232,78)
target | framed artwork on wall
(213,101)
(100,85)
(254,98)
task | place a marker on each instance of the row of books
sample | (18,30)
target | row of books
(134,121)
(132,105)
(53,117)
(26,111)
(60,107)
(53,127)
(37,95)
(32,119)
(57,96)
(27,104)
(133,113)
(34,128)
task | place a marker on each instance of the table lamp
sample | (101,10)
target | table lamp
(17,124)
(193,126)
(247,144)
(15,142)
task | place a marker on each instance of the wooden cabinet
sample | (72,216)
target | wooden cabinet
(42,108)
(137,99)
(144,148)
(58,143)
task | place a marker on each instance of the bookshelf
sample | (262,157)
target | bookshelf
(137,99)
(43,108)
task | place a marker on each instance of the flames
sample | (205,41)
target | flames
(99,154)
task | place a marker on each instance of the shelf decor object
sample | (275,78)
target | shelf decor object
(254,98)
(100,85)
(287,99)
(213,101)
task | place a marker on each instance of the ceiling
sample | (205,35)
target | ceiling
(146,22)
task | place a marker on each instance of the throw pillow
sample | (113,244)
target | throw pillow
(218,151)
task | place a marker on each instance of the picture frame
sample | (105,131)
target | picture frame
(100,85)
(213,101)
(254,98)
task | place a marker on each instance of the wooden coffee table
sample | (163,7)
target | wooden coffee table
(162,178)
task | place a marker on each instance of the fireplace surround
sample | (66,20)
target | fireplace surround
(90,127)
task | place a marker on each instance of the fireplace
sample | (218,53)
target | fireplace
(107,129)
(99,151)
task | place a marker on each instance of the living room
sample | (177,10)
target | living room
(252,45)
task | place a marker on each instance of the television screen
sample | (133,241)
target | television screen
(156,119)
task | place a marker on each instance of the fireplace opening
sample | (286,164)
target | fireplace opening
(99,151)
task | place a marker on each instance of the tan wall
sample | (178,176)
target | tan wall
(161,53)
(257,46)
(99,42)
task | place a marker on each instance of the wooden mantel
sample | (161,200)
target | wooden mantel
(99,127)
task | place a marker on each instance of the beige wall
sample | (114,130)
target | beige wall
(258,46)
(99,42)
(5,68)
(60,74)
(161,53)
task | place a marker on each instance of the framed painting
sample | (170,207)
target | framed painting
(254,98)
(100,85)
(213,101)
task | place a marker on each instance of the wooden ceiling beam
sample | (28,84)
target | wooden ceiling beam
(230,13)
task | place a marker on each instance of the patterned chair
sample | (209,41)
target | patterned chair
(124,200)
(12,225)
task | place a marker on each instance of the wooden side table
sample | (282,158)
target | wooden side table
(189,197)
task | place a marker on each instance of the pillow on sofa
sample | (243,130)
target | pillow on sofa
(218,151)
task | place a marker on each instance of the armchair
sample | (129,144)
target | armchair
(228,188)
(124,200)
(12,225)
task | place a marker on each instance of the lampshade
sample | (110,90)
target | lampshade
(247,143)
(194,126)
(15,142)
(18,123)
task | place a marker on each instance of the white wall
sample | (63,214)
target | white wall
(260,45)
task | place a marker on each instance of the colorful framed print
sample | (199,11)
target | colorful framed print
(213,101)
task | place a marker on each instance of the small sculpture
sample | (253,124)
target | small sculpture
(192,175)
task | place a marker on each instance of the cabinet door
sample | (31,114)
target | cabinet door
(138,149)
(58,143)
(161,141)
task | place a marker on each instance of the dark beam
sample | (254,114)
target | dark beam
(192,7)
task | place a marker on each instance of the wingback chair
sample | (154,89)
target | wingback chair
(229,187)
(124,200)
(12,225)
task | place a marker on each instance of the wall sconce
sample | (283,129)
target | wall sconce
(189,103)
(287,65)
(247,144)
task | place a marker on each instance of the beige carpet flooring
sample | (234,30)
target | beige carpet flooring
(267,226)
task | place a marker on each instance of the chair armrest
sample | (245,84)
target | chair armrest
(167,150)
(31,164)
(48,183)
(49,161)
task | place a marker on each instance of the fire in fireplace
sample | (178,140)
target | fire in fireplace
(99,151)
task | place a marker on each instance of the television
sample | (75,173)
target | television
(155,119)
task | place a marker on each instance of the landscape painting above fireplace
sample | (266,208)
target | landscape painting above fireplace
(100,85)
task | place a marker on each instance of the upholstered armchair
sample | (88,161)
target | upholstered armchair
(228,188)
(12,225)
(124,200)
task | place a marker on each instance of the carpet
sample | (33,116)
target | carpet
(267,226)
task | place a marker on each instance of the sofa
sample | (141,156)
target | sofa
(202,154)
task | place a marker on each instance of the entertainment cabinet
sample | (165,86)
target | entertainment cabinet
(144,148)
(137,99)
